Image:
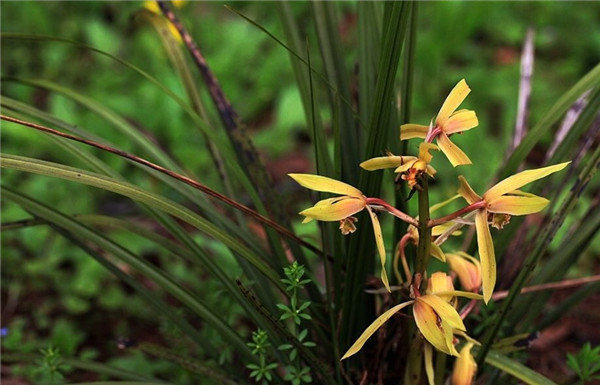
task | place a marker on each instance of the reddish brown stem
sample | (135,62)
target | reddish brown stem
(468,308)
(392,210)
(435,132)
(403,242)
(467,209)
(550,286)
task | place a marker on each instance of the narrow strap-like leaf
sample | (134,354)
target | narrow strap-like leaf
(133,192)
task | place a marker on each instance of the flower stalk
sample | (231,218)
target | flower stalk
(424,246)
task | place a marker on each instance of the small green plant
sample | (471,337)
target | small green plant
(51,366)
(295,313)
(259,345)
(586,363)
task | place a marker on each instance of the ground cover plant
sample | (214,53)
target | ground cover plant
(302,192)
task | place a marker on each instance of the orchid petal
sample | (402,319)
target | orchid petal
(444,310)
(467,192)
(468,270)
(517,205)
(427,322)
(358,344)
(428,361)
(334,209)
(410,131)
(431,171)
(410,161)
(424,149)
(486,254)
(449,337)
(459,293)
(438,206)
(461,121)
(324,184)
(437,252)
(438,282)
(521,179)
(380,247)
(465,367)
(454,99)
(381,162)
(454,154)
(441,229)
(469,257)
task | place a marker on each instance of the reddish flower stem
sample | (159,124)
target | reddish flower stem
(550,286)
(435,132)
(401,245)
(468,308)
(467,209)
(392,210)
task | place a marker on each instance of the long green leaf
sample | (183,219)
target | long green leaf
(133,192)
(591,80)
(229,156)
(244,150)
(408,64)
(514,368)
(174,52)
(527,310)
(221,221)
(379,131)
(96,165)
(331,53)
(83,233)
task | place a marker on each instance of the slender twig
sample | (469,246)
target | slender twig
(403,243)
(399,254)
(197,185)
(228,115)
(550,286)
(568,121)
(236,130)
(468,308)
(524,88)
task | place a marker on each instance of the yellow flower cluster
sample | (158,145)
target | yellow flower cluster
(435,312)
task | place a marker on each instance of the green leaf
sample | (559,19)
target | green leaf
(83,233)
(133,192)
(379,131)
(590,80)
(515,369)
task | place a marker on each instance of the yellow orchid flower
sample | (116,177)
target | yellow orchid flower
(435,316)
(465,367)
(503,198)
(448,122)
(467,268)
(411,167)
(341,209)
(433,312)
